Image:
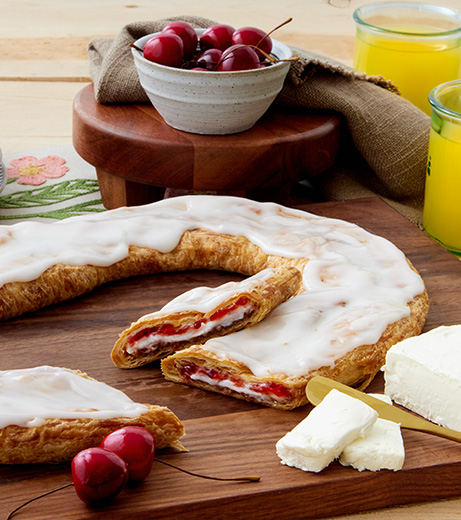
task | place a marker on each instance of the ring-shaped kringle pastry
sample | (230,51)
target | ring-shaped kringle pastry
(360,294)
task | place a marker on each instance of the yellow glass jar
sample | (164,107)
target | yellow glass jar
(416,46)
(442,199)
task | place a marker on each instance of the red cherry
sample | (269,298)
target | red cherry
(209,59)
(217,36)
(98,475)
(253,36)
(165,49)
(187,34)
(136,446)
(239,57)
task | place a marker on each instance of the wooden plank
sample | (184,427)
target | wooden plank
(46,70)
(226,437)
(106,17)
(35,114)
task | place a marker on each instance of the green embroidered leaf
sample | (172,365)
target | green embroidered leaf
(83,208)
(50,194)
(75,210)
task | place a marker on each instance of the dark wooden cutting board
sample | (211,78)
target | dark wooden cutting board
(225,436)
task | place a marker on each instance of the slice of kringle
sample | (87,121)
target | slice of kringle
(271,362)
(49,414)
(203,313)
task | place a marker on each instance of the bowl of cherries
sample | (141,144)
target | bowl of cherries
(212,81)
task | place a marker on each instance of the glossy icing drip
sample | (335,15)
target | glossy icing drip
(30,396)
(355,283)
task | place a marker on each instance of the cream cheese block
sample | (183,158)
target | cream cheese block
(381,448)
(325,432)
(423,374)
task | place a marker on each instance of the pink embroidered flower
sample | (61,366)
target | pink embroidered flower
(33,171)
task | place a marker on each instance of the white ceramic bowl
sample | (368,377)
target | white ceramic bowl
(213,103)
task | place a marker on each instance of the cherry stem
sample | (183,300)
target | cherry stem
(241,479)
(226,55)
(267,56)
(273,30)
(281,25)
(136,47)
(36,498)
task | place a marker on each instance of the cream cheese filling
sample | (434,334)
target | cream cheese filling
(243,388)
(152,340)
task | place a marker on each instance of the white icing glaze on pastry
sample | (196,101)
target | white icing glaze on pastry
(205,299)
(355,283)
(30,396)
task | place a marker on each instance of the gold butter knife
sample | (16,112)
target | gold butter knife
(319,386)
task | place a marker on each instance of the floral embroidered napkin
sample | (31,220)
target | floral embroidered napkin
(48,184)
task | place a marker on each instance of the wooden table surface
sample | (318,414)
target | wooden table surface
(43,64)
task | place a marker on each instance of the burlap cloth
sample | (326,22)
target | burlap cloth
(383,152)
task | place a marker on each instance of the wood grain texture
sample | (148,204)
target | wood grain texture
(225,437)
(133,149)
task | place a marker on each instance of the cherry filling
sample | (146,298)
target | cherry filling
(167,329)
(271,388)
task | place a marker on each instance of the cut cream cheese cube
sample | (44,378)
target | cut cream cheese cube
(381,448)
(423,373)
(325,432)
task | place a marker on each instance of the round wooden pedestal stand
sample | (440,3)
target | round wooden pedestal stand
(137,156)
